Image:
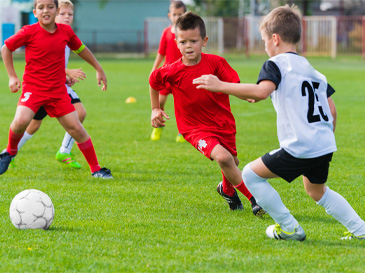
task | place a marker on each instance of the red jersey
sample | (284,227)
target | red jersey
(45,57)
(198,111)
(168,47)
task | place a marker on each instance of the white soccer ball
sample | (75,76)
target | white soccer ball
(31,209)
(270,231)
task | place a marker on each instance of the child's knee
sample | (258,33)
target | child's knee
(250,177)
(224,159)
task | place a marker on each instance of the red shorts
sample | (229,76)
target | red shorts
(205,143)
(55,107)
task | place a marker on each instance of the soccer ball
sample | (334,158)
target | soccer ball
(31,209)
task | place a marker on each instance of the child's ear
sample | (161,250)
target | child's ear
(34,13)
(276,39)
(205,40)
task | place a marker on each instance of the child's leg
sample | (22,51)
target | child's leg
(68,140)
(73,126)
(336,206)
(32,128)
(231,173)
(23,116)
(255,175)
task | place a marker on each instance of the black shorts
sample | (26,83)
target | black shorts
(289,167)
(41,113)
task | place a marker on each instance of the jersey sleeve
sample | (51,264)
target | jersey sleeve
(159,78)
(74,43)
(226,73)
(330,90)
(163,44)
(270,72)
(19,39)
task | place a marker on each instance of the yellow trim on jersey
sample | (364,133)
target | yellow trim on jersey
(79,50)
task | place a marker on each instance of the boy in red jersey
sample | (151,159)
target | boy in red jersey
(171,53)
(203,118)
(44,81)
(64,154)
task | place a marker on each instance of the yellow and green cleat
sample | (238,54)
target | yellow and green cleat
(68,159)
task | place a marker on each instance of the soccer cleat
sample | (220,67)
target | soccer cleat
(256,209)
(156,133)
(5,160)
(12,163)
(275,232)
(103,173)
(180,138)
(350,236)
(69,159)
(234,201)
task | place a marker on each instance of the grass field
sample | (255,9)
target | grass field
(161,212)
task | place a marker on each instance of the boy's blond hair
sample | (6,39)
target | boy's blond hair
(66,3)
(284,21)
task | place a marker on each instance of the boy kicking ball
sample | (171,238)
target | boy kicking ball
(44,81)
(305,124)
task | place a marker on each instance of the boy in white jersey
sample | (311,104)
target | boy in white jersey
(305,127)
(64,155)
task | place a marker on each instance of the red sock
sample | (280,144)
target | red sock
(87,149)
(13,142)
(227,186)
(242,188)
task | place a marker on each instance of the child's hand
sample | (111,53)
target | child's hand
(14,84)
(70,81)
(208,82)
(76,74)
(101,78)
(157,118)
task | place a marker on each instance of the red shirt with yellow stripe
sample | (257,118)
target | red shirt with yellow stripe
(45,57)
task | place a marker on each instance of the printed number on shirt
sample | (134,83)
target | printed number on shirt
(26,96)
(309,90)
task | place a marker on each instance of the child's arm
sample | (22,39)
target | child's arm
(100,74)
(332,106)
(14,82)
(157,116)
(244,91)
(158,61)
(76,74)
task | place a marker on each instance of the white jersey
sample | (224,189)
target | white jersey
(304,120)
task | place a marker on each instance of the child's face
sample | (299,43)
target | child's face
(174,14)
(65,16)
(190,44)
(45,12)
(269,44)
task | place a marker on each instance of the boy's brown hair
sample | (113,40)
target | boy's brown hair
(177,5)
(190,20)
(66,3)
(55,1)
(284,21)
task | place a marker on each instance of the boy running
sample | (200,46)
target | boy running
(44,81)
(64,155)
(300,96)
(168,51)
(203,118)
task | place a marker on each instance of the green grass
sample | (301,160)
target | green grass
(161,213)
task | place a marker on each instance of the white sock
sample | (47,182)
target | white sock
(24,139)
(269,199)
(338,207)
(67,144)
